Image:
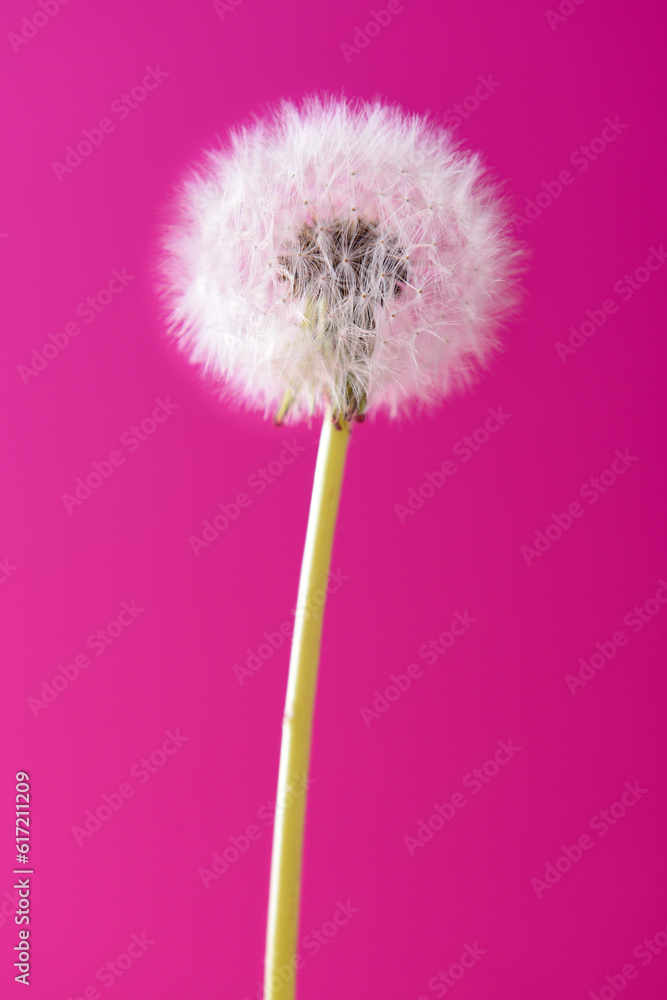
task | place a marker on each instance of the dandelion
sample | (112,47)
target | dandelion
(340,254)
(338,259)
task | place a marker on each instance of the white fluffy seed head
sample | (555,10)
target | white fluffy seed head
(339,253)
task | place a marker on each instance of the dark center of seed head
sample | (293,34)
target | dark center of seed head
(351,267)
(346,261)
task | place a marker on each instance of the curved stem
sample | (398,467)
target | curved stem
(286,858)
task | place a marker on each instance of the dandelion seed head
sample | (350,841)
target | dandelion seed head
(307,254)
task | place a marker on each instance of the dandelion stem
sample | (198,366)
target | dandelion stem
(286,858)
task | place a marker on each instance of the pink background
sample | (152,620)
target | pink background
(411,914)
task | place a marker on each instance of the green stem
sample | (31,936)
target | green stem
(286,858)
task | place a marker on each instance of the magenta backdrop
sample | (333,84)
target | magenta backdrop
(487,810)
